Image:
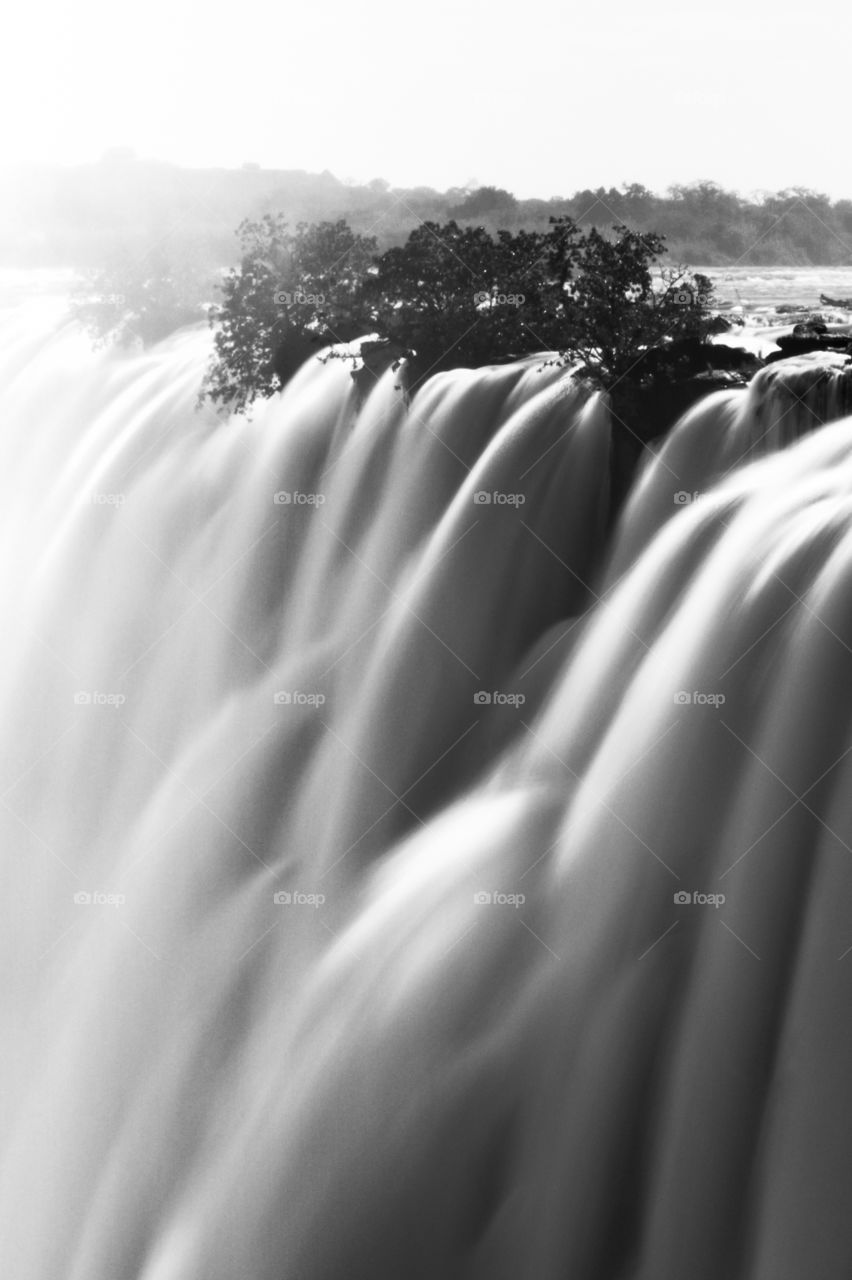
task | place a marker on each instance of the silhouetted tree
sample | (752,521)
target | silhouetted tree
(456,296)
(289,286)
(450,297)
(620,302)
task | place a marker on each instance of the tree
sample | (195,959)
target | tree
(483,201)
(456,296)
(288,284)
(141,296)
(634,330)
(620,303)
(450,297)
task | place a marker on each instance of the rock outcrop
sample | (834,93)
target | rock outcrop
(813,335)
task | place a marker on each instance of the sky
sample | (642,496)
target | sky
(541,99)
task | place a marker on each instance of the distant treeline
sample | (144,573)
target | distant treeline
(76,216)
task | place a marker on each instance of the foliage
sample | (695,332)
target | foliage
(68,216)
(452,296)
(482,201)
(618,306)
(307,281)
(455,296)
(140,298)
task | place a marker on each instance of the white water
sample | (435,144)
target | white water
(758,288)
(726,431)
(598,1082)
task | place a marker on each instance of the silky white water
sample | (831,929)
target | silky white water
(343,834)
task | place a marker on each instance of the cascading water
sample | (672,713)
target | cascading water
(344,833)
(728,429)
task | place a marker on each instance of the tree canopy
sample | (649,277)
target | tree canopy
(451,296)
(308,281)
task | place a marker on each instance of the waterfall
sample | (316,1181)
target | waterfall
(728,429)
(388,892)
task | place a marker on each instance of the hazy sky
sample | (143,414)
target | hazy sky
(540,98)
